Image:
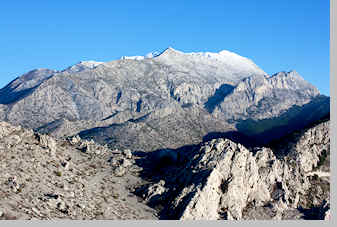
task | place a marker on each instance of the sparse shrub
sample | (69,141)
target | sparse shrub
(115,195)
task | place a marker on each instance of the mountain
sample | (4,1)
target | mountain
(164,100)
(24,85)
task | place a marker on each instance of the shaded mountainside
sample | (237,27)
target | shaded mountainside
(160,129)
(47,178)
(24,85)
(164,100)
(295,118)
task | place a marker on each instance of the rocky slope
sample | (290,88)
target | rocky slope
(224,180)
(164,100)
(24,85)
(47,178)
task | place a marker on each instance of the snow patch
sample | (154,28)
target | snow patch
(90,64)
(82,65)
(149,55)
(229,62)
(226,56)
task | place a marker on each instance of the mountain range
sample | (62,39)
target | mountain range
(163,100)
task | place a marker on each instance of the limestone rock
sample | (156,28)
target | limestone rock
(75,140)
(47,142)
(127,153)
(39,185)
(217,179)
(226,180)
(119,171)
(63,207)
(13,184)
(14,139)
(154,193)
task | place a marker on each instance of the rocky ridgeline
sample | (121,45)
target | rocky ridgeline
(44,178)
(224,180)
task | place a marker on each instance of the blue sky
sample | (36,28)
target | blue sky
(276,35)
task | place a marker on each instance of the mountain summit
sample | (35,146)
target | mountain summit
(163,100)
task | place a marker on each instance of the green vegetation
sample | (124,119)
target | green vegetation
(58,173)
(115,195)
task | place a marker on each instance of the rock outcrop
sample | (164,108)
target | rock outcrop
(224,180)
(46,178)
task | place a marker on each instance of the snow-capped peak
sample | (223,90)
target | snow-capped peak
(149,55)
(231,61)
(224,55)
(152,54)
(82,65)
(90,64)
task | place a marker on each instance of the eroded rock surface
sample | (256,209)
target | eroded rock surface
(46,178)
(224,180)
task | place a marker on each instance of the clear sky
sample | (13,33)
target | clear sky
(277,35)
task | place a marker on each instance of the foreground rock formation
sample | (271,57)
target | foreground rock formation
(224,180)
(46,178)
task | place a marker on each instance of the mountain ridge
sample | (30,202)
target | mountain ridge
(216,96)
